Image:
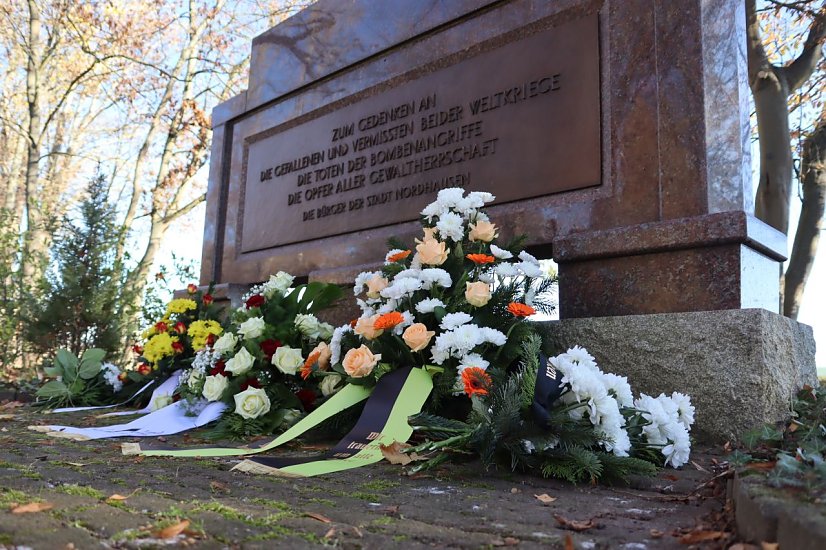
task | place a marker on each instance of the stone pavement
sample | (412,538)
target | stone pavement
(372,507)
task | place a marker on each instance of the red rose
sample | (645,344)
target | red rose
(210,339)
(307,398)
(160,326)
(192,288)
(178,347)
(269,346)
(137,349)
(122,377)
(144,369)
(250,383)
(180,328)
(255,301)
(176,397)
(207,299)
(219,367)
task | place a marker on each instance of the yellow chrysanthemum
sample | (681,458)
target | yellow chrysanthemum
(180,306)
(149,332)
(199,331)
(158,347)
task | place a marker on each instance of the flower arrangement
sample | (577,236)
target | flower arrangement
(187,326)
(255,366)
(455,304)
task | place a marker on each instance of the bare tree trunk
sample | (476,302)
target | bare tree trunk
(33,244)
(811,223)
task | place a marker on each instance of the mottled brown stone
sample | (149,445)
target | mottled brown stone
(674,153)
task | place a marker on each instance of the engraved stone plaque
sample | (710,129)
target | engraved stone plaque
(520,120)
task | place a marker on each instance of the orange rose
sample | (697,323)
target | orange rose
(360,362)
(432,252)
(477,294)
(482,231)
(417,337)
(375,285)
(366,327)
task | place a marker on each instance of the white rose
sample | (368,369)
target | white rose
(279,282)
(308,325)
(240,363)
(252,403)
(328,385)
(225,343)
(287,359)
(195,378)
(214,387)
(161,401)
(252,328)
(291,417)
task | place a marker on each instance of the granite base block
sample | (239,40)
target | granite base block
(741,367)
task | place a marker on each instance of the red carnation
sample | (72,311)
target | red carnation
(250,383)
(180,327)
(269,346)
(307,398)
(192,288)
(177,347)
(219,367)
(160,326)
(210,339)
(207,299)
(255,301)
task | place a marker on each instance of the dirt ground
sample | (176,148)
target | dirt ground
(376,506)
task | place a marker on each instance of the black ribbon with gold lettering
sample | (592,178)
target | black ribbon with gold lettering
(547,390)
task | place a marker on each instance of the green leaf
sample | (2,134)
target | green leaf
(55,388)
(91,362)
(439,312)
(66,360)
(54,371)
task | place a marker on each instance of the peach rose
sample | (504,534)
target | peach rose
(429,234)
(482,231)
(360,362)
(324,354)
(432,252)
(376,284)
(366,329)
(477,294)
(417,337)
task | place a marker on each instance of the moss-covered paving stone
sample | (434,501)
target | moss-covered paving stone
(459,506)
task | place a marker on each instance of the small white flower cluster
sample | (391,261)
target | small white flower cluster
(277,284)
(202,363)
(451,204)
(460,340)
(600,394)
(312,328)
(110,375)
(335,343)
(671,418)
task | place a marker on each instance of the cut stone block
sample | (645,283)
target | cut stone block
(740,367)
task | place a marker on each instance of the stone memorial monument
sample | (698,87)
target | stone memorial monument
(614,134)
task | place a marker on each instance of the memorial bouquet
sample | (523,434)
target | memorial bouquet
(255,366)
(456,305)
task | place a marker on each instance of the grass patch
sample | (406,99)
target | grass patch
(272,504)
(11,496)
(324,501)
(80,491)
(230,513)
(379,485)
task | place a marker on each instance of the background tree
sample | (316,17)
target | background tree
(786,75)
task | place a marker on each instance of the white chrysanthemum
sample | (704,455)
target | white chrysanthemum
(580,355)
(401,288)
(492,336)
(433,210)
(473,360)
(451,226)
(665,428)
(465,338)
(416,262)
(679,449)
(500,253)
(335,343)
(428,305)
(620,388)
(408,274)
(110,375)
(367,309)
(449,198)
(486,278)
(434,275)
(387,307)
(506,270)
(439,354)
(361,281)
(408,320)
(455,320)
(530,269)
(525,257)
(685,408)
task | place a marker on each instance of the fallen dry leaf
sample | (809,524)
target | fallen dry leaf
(671,477)
(172,531)
(761,465)
(77,464)
(394,454)
(139,459)
(11,405)
(702,536)
(507,541)
(574,525)
(319,517)
(330,534)
(6,417)
(655,534)
(742,546)
(218,486)
(793,427)
(769,545)
(32,507)
(698,467)
(117,497)
(569,542)
(545,498)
